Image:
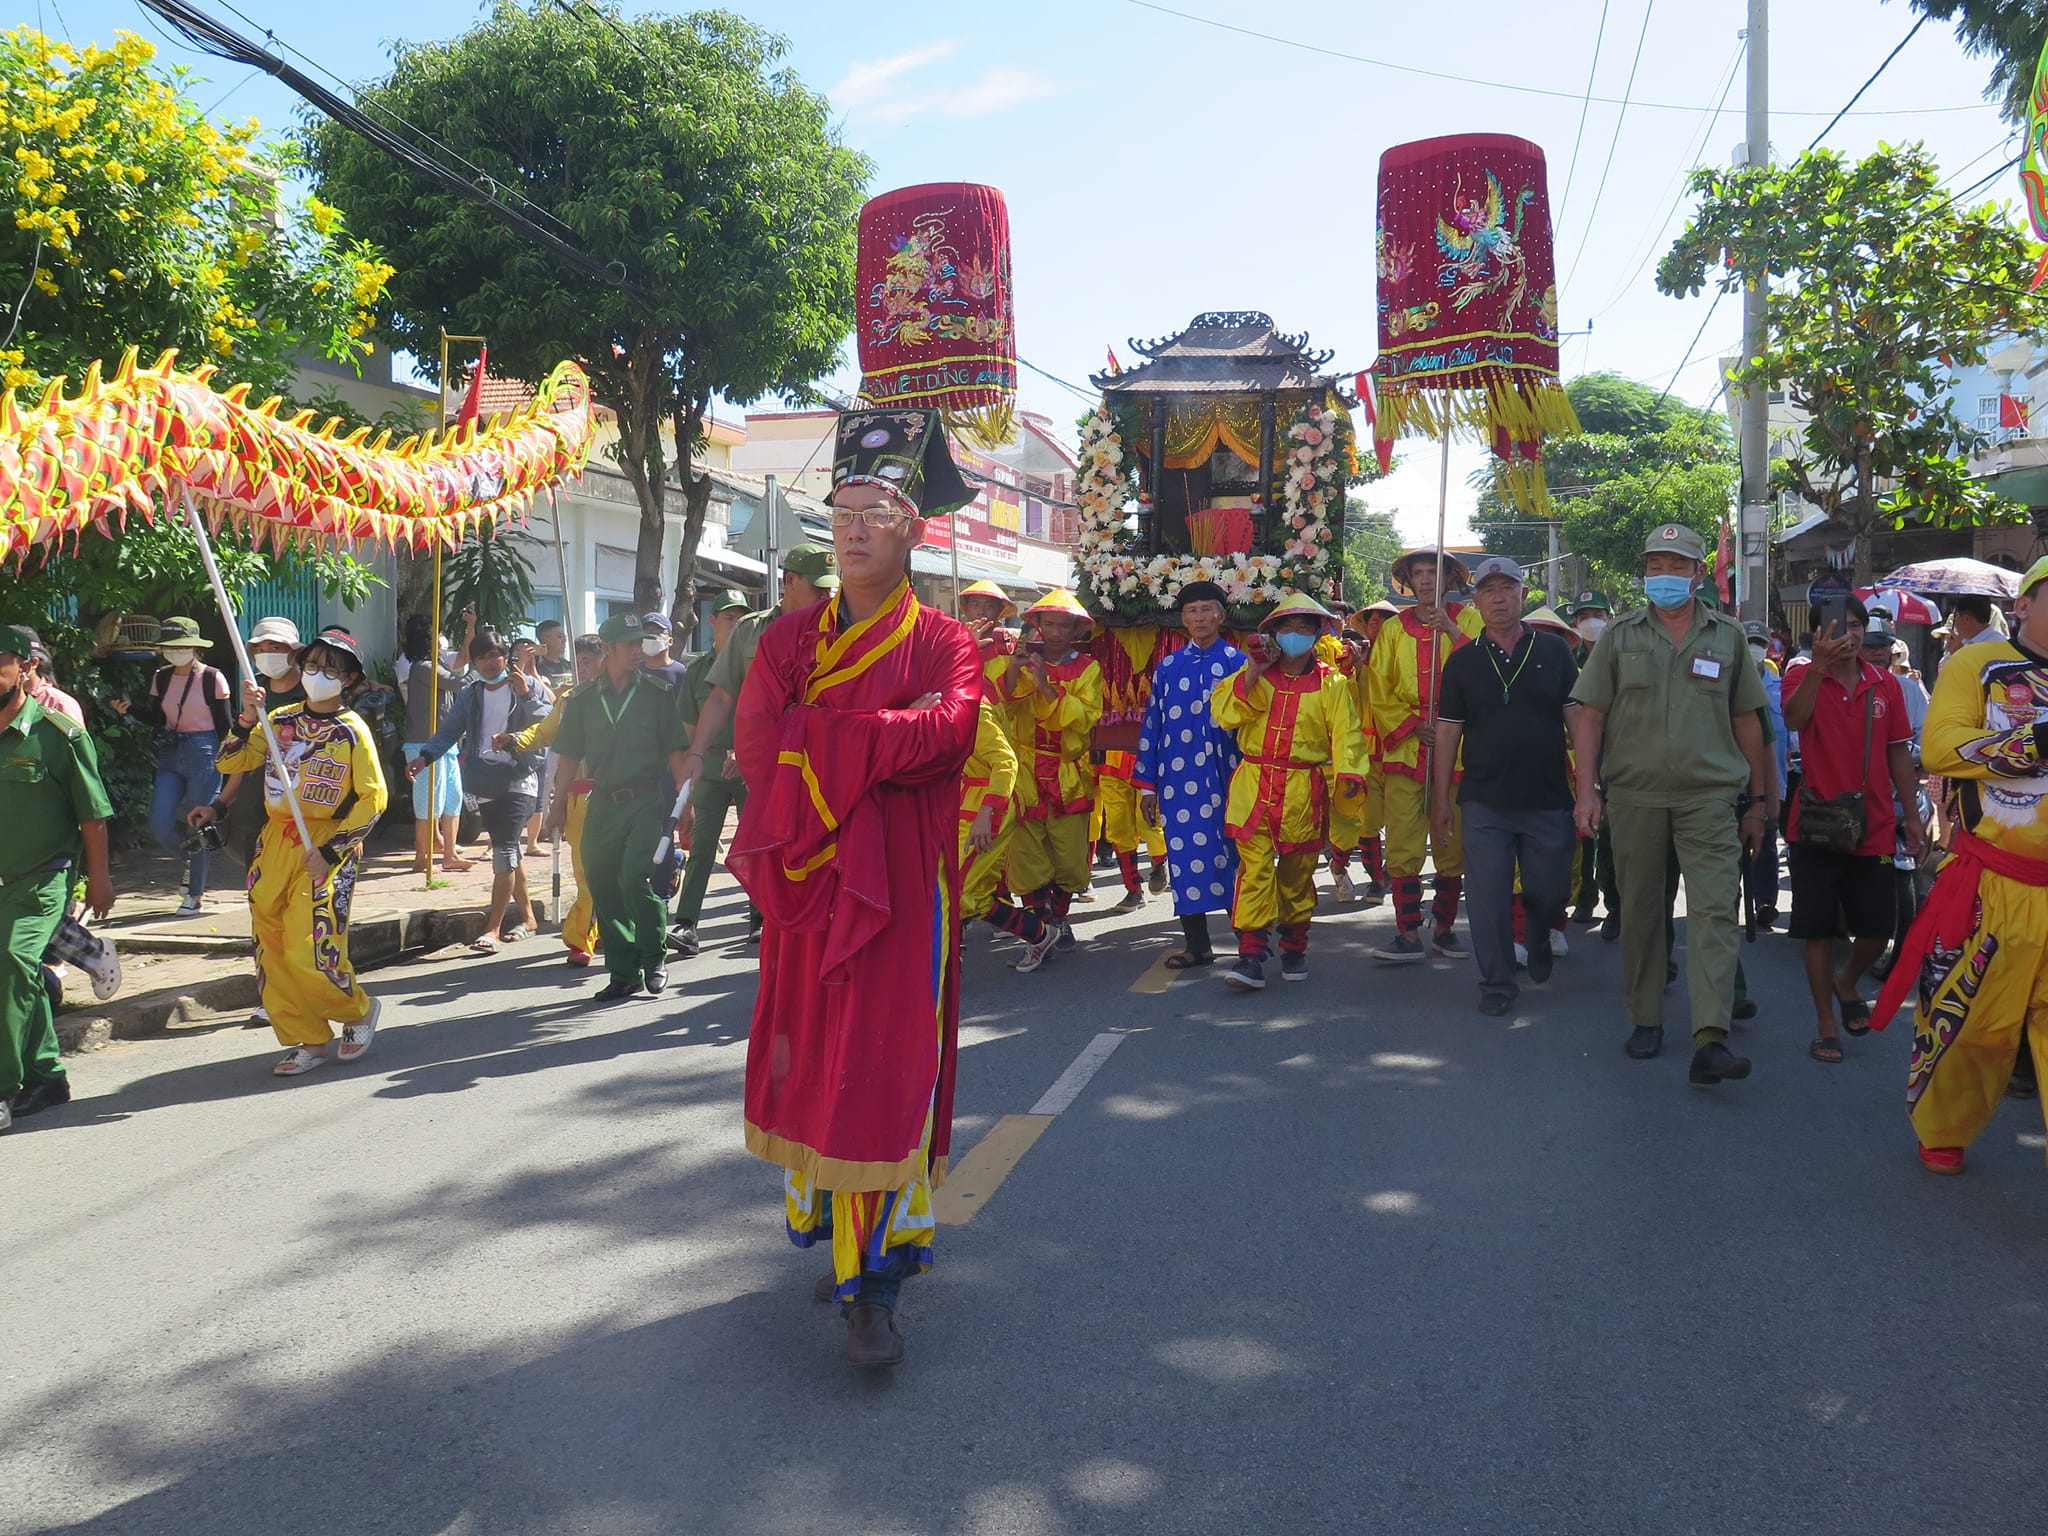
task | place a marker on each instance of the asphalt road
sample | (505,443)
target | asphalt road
(1345,1256)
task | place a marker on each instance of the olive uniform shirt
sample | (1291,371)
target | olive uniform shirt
(622,737)
(1670,735)
(730,669)
(50,783)
(696,689)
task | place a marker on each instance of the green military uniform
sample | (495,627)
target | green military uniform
(50,784)
(715,794)
(623,737)
(1672,771)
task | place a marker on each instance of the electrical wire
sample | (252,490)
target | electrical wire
(1866,85)
(1503,85)
(1585,107)
(1649,9)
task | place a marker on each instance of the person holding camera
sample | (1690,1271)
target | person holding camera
(503,781)
(191,703)
(1856,748)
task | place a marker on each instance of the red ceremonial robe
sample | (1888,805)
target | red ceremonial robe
(849,845)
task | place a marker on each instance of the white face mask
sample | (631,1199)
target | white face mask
(1592,626)
(181,657)
(272,665)
(322,686)
(652,647)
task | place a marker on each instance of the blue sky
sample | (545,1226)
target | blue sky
(1157,166)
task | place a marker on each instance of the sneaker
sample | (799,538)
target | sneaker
(1294,967)
(1560,945)
(34,1098)
(1377,891)
(1521,957)
(1445,942)
(1035,954)
(1065,943)
(1399,949)
(1540,955)
(1610,927)
(655,979)
(105,971)
(1134,898)
(1493,1005)
(1943,1160)
(1157,882)
(753,927)
(1246,976)
(682,941)
(1715,1063)
(1644,1041)
(1086,893)
(6,1116)
(577,958)
(190,907)
(1341,886)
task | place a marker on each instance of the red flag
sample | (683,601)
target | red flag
(474,399)
(1724,557)
(1383,449)
(2012,412)
(1114,365)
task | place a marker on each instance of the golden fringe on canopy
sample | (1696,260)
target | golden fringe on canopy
(1513,410)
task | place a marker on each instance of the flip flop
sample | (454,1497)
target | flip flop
(1855,1015)
(300,1061)
(484,944)
(1827,1052)
(1187,960)
(356,1037)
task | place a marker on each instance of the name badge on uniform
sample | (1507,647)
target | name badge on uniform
(1705,666)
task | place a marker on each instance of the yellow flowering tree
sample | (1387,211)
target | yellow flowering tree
(128,219)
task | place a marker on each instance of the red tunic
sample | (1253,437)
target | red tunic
(849,847)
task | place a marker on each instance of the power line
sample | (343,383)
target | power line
(1866,85)
(1503,85)
(1649,9)
(1585,107)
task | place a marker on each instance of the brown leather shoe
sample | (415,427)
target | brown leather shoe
(871,1336)
(827,1287)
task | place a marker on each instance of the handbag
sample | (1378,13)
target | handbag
(1837,823)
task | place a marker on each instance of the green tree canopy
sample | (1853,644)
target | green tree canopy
(2010,31)
(1880,288)
(675,146)
(1371,544)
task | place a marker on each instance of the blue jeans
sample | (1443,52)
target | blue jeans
(185,777)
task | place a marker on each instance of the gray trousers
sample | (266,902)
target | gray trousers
(1541,844)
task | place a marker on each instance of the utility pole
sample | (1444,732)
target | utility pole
(1754,543)
(771,508)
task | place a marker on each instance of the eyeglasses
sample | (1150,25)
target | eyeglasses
(874,517)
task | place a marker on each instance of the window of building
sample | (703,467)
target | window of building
(1987,413)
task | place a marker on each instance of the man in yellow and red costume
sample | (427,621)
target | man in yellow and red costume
(1402,680)
(853,727)
(1973,956)
(1297,731)
(1050,858)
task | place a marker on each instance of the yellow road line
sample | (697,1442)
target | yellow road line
(1156,978)
(977,1175)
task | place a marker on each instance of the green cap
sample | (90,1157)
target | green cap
(1676,539)
(729,601)
(816,563)
(620,629)
(1588,601)
(16,641)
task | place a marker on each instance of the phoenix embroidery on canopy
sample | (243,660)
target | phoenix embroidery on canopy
(1481,243)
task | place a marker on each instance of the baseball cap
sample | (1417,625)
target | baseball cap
(16,641)
(1676,539)
(816,563)
(1588,601)
(2036,574)
(620,629)
(275,630)
(1496,565)
(1878,634)
(657,621)
(1753,629)
(729,600)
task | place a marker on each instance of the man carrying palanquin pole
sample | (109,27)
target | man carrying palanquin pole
(853,728)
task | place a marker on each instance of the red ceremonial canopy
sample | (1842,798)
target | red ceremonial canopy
(935,317)
(1468,301)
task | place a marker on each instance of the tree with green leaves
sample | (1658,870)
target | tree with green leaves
(1642,459)
(678,147)
(2012,32)
(1880,287)
(1371,544)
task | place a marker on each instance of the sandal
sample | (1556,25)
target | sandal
(514,935)
(356,1037)
(1828,1052)
(483,944)
(1855,1015)
(299,1061)
(1188,959)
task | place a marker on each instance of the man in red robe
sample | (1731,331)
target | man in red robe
(853,727)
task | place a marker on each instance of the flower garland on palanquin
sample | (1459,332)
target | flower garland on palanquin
(1119,579)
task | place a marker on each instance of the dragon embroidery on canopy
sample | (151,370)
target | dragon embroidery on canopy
(1482,248)
(927,283)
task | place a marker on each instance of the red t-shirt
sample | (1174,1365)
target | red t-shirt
(1831,747)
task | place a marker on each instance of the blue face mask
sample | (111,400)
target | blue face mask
(1292,643)
(1667,591)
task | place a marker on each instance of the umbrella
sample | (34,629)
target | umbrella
(1902,605)
(1956,578)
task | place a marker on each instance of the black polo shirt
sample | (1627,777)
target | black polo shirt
(1512,708)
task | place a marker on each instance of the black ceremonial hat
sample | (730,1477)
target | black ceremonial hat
(904,452)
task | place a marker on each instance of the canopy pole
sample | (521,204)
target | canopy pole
(227,617)
(554,762)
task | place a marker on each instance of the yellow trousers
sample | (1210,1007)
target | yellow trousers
(1409,837)
(1273,889)
(1966,1035)
(1053,851)
(980,872)
(302,967)
(579,923)
(1123,823)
